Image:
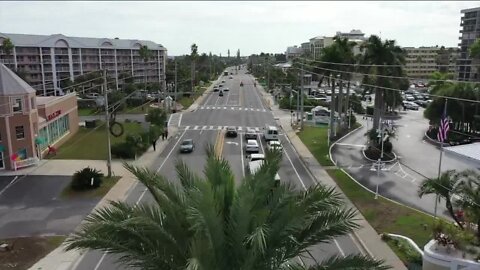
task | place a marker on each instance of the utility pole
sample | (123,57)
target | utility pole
(301,98)
(175,102)
(332,110)
(107,118)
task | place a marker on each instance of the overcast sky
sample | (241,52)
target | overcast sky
(252,27)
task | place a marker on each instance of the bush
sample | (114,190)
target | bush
(123,150)
(82,180)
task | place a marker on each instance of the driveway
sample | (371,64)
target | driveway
(31,206)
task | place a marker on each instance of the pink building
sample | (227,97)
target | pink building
(28,124)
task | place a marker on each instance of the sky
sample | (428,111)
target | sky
(251,27)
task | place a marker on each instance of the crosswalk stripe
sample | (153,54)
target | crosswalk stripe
(233,108)
(196,127)
(257,129)
(224,108)
(211,127)
(219,127)
(239,128)
(208,108)
(204,127)
(258,110)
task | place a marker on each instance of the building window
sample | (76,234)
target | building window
(19,132)
(17,105)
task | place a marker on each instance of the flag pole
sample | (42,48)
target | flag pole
(441,155)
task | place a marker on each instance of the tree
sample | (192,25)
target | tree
(145,54)
(438,80)
(385,59)
(7,46)
(475,54)
(156,117)
(470,197)
(193,56)
(443,187)
(213,223)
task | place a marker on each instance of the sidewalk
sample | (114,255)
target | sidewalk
(59,259)
(366,236)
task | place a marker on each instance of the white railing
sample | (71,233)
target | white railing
(25,163)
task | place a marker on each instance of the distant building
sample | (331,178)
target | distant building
(45,60)
(468,69)
(423,61)
(293,52)
(29,124)
(353,35)
(317,44)
(305,48)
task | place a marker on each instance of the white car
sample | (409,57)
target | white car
(410,105)
(252,146)
(274,145)
(250,134)
(409,97)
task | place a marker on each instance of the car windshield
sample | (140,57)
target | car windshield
(187,142)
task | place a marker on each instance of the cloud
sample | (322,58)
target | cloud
(250,26)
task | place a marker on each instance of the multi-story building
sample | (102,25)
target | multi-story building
(293,52)
(468,69)
(46,60)
(352,35)
(305,48)
(317,44)
(423,61)
(30,124)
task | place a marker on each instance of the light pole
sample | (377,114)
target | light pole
(349,117)
(107,116)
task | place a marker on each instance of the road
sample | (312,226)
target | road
(241,107)
(417,159)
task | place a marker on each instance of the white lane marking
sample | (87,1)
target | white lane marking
(264,110)
(339,248)
(239,128)
(233,108)
(180,120)
(261,145)
(204,127)
(224,108)
(211,127)
(219,127)
(258,96)
(208,108)
(171,151)
(258,110)
(241,156)
(9,184)
(169,120)
(100,261)
(295,170)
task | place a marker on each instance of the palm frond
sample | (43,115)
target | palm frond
(351,262)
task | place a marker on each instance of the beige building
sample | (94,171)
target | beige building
(29,124)
(423,61)
(45,60)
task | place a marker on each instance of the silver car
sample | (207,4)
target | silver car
(187,146)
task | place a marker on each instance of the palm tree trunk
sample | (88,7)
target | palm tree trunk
(347,106)
(449,206)
(332,110)
(377,108)
(340,102)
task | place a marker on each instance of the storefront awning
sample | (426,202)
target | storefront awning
(40,140)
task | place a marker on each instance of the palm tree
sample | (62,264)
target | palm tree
(470,201)
(210,223)
(386,59)
(145,54)
(193,56)
(475,53)
(444,187)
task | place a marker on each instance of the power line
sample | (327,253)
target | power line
(373,65)
(393,89)
(385,76)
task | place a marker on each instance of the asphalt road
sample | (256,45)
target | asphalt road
(203,126)
(30,205)
(417,159)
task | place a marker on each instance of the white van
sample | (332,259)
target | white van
(270,133)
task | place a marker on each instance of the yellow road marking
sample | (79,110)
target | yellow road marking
(219,142)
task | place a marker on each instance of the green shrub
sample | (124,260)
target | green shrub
(82,180)
(123,150)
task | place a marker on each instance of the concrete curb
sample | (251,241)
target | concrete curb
(384,161)
(410,241)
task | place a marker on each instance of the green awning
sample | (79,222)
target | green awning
(40,140)
(2,148)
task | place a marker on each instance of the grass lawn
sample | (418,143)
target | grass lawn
(92,144)
(316,139)
(383,215)
(107,184)
(26,251)
(187,101)
(86,112)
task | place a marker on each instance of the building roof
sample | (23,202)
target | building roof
(11,84)
(59,40)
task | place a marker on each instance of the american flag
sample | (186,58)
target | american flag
(444,126)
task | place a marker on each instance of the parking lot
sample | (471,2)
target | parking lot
(31,205)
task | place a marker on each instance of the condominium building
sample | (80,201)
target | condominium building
(423,61)
(352,35)
(293,52)
(46,60)
(468,68)
(317,44)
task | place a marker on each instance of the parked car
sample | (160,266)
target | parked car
(410,105)
(187,146)
(226,89)
(216,89)
(274,145)
(223,81)
(231,132)
(231,77)
(252,146)
(250,134)
(92,95)
(409,98)
(220,94)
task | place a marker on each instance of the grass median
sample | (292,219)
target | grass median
(316,140)
(102,190)
(187,101)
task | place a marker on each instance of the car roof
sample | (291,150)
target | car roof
(188,140)
(252,142)
(250,129)
(231,128)
(273,142)
(257,156)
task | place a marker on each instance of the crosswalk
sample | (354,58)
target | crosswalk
(207,127)
(231,108)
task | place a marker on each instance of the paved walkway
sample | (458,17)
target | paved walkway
(366,236)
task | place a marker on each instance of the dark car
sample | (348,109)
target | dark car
(231,132)
(216,89)
(220,94)
(187,146)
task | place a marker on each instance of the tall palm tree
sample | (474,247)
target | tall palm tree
(210,223)
(193,56)
(444,187)
(145,54)
(384,58)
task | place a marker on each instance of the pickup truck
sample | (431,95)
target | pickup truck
(255,161)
